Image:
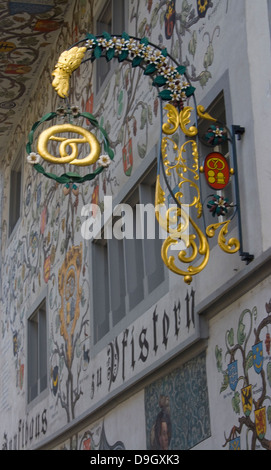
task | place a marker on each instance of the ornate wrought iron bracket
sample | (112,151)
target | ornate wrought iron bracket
(186,249)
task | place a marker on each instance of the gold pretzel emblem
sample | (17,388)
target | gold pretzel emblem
(217,164)
(88,137)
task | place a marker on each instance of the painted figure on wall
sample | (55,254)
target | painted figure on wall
(177,408)
(161,431)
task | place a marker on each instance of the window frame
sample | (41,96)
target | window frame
(15,197)
(36,342)
(117,27)
(150,296)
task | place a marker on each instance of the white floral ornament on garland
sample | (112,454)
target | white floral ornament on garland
(141,53)
(104,161)
(33,158)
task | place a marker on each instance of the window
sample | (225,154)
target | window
(269,13)
(128,270)
(111,20)
(37,352)
(217,110)
(15,194)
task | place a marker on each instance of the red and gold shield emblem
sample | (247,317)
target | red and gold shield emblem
(260,422)
(216,169)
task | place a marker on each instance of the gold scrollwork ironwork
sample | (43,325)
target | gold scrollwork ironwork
(183,257)
(186,244)
(232,246)
(176,222)
(182,168)
(176,119)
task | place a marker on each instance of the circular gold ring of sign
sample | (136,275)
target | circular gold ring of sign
(88,137)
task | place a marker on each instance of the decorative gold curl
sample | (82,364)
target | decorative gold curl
(171,221)
(185,115)
(203,115)
(189,240)
(68,62)
(181,167)
(88,137)
(176,222)
(232,246)
(173,120)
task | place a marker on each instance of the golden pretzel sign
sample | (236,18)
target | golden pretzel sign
(87,137)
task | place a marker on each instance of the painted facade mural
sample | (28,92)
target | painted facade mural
(21,54)
(244,364)
(46,251)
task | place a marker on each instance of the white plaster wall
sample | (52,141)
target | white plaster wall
(258,45)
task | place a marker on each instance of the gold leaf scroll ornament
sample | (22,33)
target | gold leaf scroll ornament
(88,137)
(232,246)
(176,119)
(67,63)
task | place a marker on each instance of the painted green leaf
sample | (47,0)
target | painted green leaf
(151,68)
(137,61)
(73,174)
(165,94)
(141,150)
(97,52)
(225,383)
(144,41)
(236,403)
(106,35)
(181,69)
(91,37)
(218,355)
(150,114)
(91,118)
(241,336)
(230,337)
(249,362)
(193,44)
(125,36)
(155,16)
(123,56)
(204,77)
(110,54)
(110,153)
(159,80)
(268,373)
(143,118)
(190,91)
